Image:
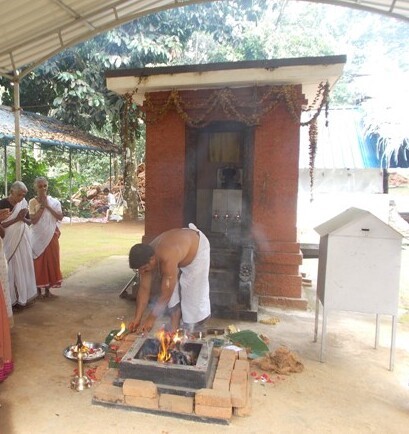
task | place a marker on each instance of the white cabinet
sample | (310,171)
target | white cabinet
(358,269)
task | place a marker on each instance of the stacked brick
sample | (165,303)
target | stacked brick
(230,394)
(141,393)
(231,391)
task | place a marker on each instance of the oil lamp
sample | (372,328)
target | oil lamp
(80,381)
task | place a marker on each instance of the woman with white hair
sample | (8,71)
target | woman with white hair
(45,215)
(17,248)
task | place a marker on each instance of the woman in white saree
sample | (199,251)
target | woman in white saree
(46,215)
(17,248)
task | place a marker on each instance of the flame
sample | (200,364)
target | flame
(80,349)
(178,336)
(165,340)
(119,336)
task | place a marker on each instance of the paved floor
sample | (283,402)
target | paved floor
(352,392)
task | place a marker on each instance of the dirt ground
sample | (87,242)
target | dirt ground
(352,392)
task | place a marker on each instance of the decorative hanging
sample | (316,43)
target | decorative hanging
(249,111)
(313,134)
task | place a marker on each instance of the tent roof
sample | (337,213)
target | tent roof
(341,144)
(49,131)
(33,31)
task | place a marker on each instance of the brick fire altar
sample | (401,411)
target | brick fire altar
(219,387)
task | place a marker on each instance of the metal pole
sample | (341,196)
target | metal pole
(110,172)
(5,168)
(70,178)
(16,109)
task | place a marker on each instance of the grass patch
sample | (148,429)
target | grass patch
(84,244)
(404,318)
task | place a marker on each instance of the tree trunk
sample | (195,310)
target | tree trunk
(129,133)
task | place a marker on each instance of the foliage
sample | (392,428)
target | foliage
(71,86)
(30,169)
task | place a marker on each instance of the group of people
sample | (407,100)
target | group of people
(179,259)
(29,255)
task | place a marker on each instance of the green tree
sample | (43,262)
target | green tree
(71,86)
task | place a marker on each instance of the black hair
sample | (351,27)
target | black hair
(139,255)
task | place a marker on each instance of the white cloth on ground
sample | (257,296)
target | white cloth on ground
(17,249)
(43,231)
(192,290)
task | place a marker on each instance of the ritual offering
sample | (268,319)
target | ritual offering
(91,351)
(171,359)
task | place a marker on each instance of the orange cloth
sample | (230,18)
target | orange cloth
(47,265)
(6,364)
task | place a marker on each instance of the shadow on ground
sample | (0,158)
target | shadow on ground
(353,391)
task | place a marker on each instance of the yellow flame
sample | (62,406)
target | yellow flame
(119,336)
(165,341)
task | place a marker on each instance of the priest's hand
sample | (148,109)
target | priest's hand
(147,325)
(134,326)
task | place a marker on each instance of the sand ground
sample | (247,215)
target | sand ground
(352,392)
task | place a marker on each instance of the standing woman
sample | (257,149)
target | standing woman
(46,215)
(17,248)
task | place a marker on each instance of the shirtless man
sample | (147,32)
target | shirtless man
(181,257)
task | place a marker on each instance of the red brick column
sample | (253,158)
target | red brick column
(165,174)
(275,190)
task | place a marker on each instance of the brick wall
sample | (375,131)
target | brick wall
(274,191)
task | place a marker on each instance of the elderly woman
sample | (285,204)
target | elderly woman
(17,248)
(46,215)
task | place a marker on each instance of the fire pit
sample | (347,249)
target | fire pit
(187,365)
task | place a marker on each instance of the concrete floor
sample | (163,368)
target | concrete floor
(352,392)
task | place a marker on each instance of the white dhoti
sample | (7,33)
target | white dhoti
(192,290)
(17,249)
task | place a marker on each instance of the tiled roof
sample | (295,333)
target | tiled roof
(49,131)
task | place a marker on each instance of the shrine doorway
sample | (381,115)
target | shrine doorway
(219,173)
(219,168)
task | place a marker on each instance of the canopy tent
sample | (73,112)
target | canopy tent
(33,31)
(48,132)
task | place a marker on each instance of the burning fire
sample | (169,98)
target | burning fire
(168,342)
(119,335)
(165,339)
(169,348)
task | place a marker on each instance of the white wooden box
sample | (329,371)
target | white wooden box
(358,268)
